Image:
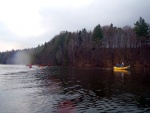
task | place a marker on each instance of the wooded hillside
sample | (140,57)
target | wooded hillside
(104,46)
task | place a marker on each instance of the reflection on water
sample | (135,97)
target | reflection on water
(75,90)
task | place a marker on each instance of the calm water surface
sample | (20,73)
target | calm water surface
(73,90)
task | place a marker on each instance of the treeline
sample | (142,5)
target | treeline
(104,46)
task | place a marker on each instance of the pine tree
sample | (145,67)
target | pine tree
(142,32)
(97,34)
(141,29)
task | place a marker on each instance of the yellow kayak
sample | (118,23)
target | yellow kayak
(121,68)
(121,71)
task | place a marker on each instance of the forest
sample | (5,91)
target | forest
(103,47)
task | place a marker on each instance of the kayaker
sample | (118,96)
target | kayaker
(117,65)
(122,65)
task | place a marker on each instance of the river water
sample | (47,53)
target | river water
(73,90)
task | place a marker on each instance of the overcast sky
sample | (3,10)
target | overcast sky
(27,23)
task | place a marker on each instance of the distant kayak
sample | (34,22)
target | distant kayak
(29,65)
(121,68)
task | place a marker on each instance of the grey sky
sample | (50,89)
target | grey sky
(27,23)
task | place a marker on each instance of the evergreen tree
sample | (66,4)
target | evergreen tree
(97,34)
(141,29)
(142,32)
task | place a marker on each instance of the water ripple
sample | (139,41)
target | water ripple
(73,90)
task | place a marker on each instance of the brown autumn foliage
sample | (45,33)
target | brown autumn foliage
(115,45)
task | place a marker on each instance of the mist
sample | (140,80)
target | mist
(21,57)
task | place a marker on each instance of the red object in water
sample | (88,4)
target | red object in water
(30,66)
(66,107)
